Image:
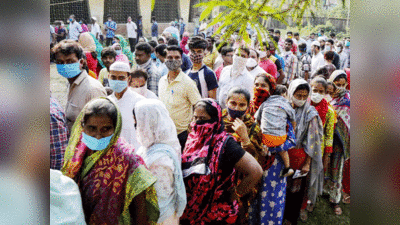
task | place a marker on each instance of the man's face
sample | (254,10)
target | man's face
(137,82)
(241,53)
(253,55)
(72,18)
(119,75)
(68,59)
(312,36)
(109,19)
(209,42)
(108,60)
(141,57)
(288,46)
(173,55)
(228,59)
(322,43)
(328,44)
(278,35)
(198,52)
(289,35)
(297,37)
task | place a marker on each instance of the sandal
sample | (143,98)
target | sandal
(346,198)
(303,215)
(338,211)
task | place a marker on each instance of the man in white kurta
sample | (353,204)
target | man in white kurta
(126,100)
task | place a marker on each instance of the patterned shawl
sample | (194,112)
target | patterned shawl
(341,104)
(261,94)
(208,196)
(109,179)
(99,48)
(322,109)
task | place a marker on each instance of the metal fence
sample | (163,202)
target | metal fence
(62,9)
(166,10)
(339,24)
(121,9)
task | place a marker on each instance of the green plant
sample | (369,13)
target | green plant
(238,14)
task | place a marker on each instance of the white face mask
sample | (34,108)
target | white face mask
(298,103)
(338,49)
(328,97)
(316,97)
(119,52)
(327,48)
(239,64)
(263,54)
(140,90)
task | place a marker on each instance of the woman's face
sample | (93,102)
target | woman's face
(116,40)
(318,88)
(237,102)
(118,47)
(99,126)
(301,95)
(329,89)
(340,83)
(200,113)
(261,83)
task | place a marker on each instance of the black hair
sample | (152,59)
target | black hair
(225,50)
(321,71)
(271,30)
(322,31)
(280,89)
(303,47)
(108,51)
(296,34)
(197,43)
(153,18)
(266,45)
(302,87)
(145,47)
(220,47)
(245,49)
(340,77)
(320,80)
(211,111)
(277,31)
(312,34)
(160,49)
(239,90)
(172,41)
(329,55)
(332,34)
(101,107)
(139,73)
(161,39)
(174,48)
(289,40)
(153,43)
(264,76)
(289,32)
(276,39)
(212,39)
(67,47)
(330,41)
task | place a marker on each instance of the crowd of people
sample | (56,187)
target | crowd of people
(189,129)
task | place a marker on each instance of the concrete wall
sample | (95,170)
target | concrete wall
(96,9)
(121,29)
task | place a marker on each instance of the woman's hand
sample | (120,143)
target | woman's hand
(305,169)
(240,129)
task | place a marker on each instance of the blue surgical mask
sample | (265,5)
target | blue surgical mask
(347,43)
(70,20)
(153,55)
(235,113)
(69,70)
(113,42)
(94,143)
(119,52)
(118,85)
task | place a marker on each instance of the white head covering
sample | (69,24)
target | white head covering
(293,86)
(335,74)
(316,43)
(155,126)
(321,39)
(94,18)
(251,63)
(120,66)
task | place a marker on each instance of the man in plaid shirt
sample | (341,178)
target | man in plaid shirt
(58,134)
(304,67)
(143,60)
(290,62)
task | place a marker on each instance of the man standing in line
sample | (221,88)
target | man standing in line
(74,28)
(290,61)
(110,27)
(95,28)
(82,87)
(317,59)
(144,61)
(304,67)
(179,93)
(182,26)
(154,29)
(329,46)
(131,30)
(139,28)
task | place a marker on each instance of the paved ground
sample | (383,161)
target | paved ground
(323,214)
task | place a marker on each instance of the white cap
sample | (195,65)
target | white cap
(120,66)
(316,43)
(321,39)
(251,63)
(94,18)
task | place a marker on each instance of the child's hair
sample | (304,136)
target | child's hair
(280,89)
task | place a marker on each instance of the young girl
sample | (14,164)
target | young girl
(275,114)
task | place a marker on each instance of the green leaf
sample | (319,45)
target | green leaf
(206,13)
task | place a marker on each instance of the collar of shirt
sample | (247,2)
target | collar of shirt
(146,65)
(81,77)
(177,78)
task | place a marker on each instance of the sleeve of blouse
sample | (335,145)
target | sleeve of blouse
(313,141)
(330,121)
(162,169)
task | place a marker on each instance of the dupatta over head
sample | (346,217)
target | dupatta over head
(109,179)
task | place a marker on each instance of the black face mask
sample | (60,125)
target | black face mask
(202,122)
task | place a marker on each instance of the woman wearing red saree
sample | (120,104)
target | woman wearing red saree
(209,163)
